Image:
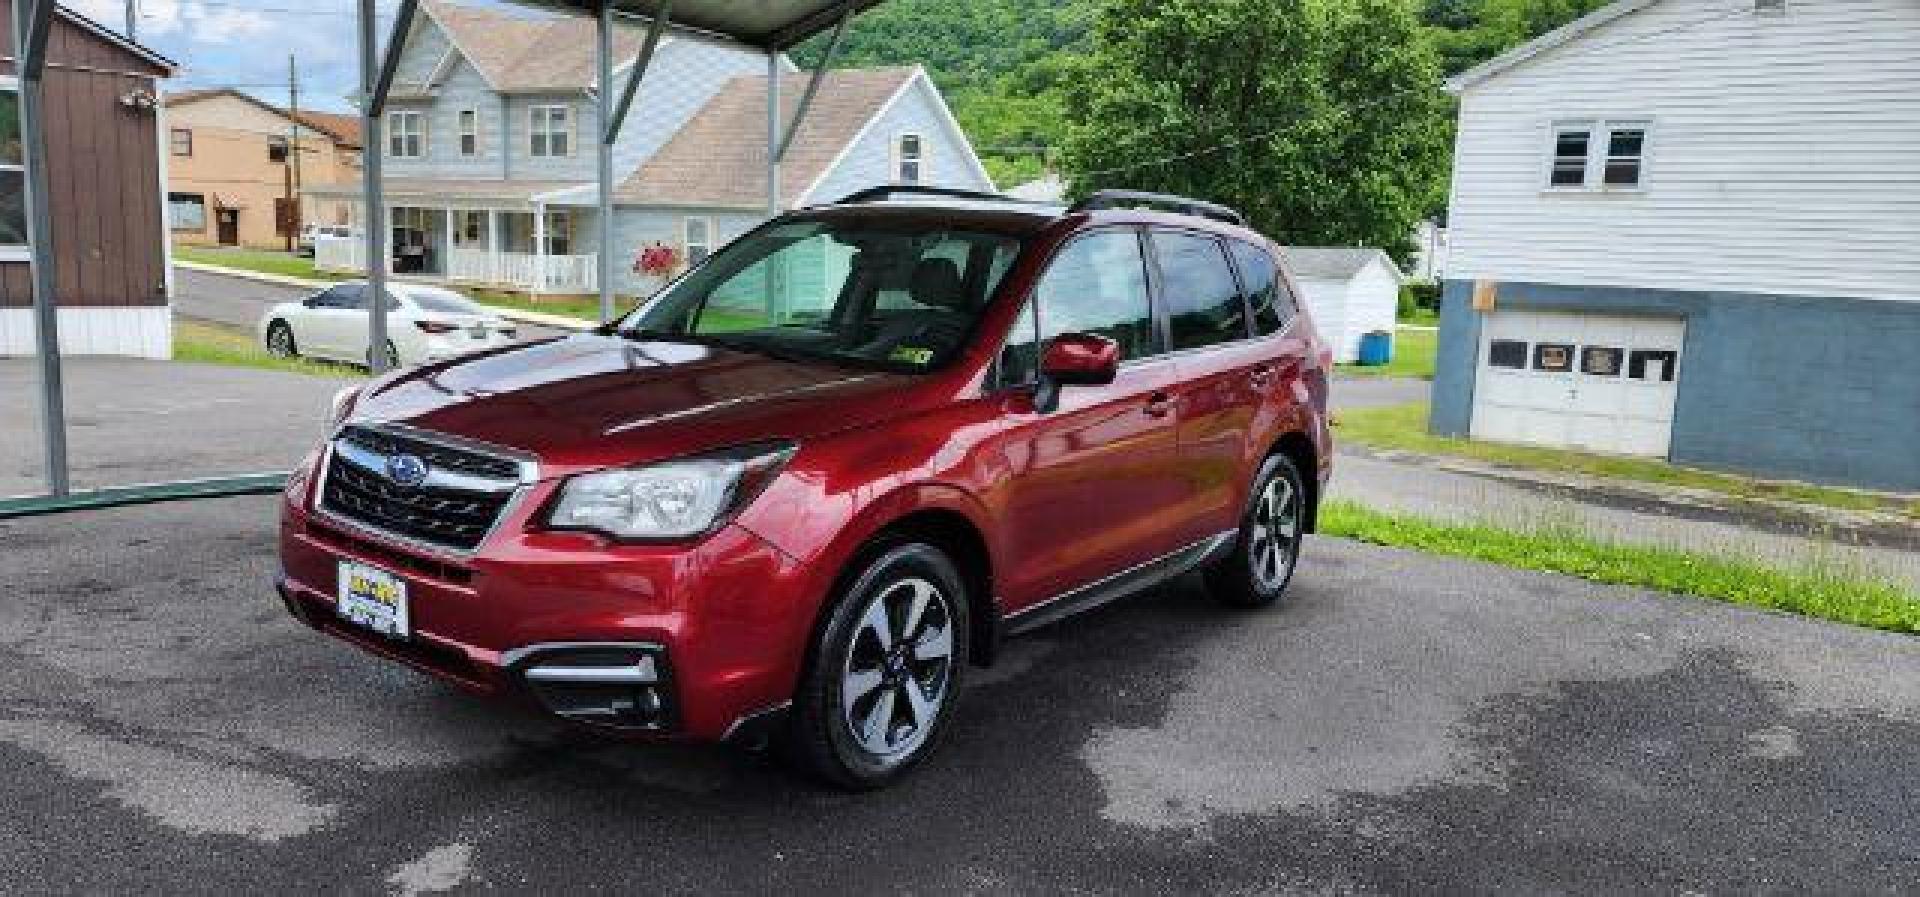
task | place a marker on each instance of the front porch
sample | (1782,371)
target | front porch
(513,250)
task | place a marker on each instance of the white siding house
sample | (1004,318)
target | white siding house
(490,148)
(1349,291)
(1735,183)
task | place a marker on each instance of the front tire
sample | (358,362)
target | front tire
(1272,529)
(280,341)
(884,671)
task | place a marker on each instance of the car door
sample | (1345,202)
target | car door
(1224,372)
(1093,484)
(321,328)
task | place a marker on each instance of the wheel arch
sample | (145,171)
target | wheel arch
(945,519)
(1299,449)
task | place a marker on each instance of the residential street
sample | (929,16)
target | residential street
(1411,723)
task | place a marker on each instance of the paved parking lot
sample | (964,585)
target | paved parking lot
(133,421)
(1410,724)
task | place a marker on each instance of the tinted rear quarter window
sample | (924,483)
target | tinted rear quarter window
(1267,293)
(1203,302)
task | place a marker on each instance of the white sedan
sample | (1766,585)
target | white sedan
(424,324)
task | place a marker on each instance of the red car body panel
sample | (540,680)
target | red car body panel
(1114,476)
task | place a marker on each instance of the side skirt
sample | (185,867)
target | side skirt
(1126,582)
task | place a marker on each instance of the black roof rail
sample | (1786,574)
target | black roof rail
(891,190)
(1128,199)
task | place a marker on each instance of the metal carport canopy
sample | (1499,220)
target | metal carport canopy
(767,24)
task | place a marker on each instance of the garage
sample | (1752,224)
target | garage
(1603,383)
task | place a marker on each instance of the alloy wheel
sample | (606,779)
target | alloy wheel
(1276,532)
(898,668)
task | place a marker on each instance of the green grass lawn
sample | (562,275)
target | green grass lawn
(1828,592)
(284,264)
(1404,428)
(1412,357)
(210,344)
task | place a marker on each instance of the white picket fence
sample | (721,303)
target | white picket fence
(524,270)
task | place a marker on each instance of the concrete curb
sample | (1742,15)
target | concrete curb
(556,322)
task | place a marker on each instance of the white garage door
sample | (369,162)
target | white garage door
(1597,382)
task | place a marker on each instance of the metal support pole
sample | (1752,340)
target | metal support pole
(813,84)
(773,132)
(611,129)
(374,86)
(603,61)
(31,21)
(372,149)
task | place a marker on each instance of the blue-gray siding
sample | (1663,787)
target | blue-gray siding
(1814,388)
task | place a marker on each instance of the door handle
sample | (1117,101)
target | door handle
(1159,405)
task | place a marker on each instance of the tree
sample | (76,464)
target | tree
(1321,120)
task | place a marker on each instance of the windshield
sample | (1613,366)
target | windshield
(890,295)
(445,302)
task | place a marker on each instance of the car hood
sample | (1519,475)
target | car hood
(590,401)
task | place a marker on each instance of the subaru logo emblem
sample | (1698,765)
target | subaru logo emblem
(407,470)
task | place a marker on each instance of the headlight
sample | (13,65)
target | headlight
(669,500)
(342,405)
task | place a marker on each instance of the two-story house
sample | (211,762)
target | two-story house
(1690,229)
(232,179)
(490,154)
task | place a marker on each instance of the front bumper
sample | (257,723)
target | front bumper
(681,641)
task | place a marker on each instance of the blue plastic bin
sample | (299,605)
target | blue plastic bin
(1376,348)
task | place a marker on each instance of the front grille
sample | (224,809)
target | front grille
(439,456)
(434,513)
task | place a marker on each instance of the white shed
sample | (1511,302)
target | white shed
(1350,291)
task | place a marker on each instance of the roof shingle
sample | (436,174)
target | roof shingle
(720,157)
(523,54)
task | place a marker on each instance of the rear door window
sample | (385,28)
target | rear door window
(1098,285)
(1272,304)
(1204,306)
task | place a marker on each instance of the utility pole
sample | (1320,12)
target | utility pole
(294,217)
(133,19)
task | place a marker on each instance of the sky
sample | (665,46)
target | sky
(235,43)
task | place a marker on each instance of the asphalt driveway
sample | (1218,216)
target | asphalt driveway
(1409,724)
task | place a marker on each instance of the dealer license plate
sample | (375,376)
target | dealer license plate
(373,598)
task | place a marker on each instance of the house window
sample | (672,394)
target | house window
(1570,155)
(277,150)
(909,159)
(187,211)
(406,135)
(469,132)
(1598,155)
(697,236)
(13,174)
(1626,150)
(550,131)
(180,141)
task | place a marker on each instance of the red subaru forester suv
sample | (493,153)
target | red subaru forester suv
(791,497)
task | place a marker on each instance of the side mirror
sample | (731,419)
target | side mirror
(1074,359)
(1080,359)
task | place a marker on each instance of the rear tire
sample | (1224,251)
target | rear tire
(1267,550)
(884,671)
(280,341)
